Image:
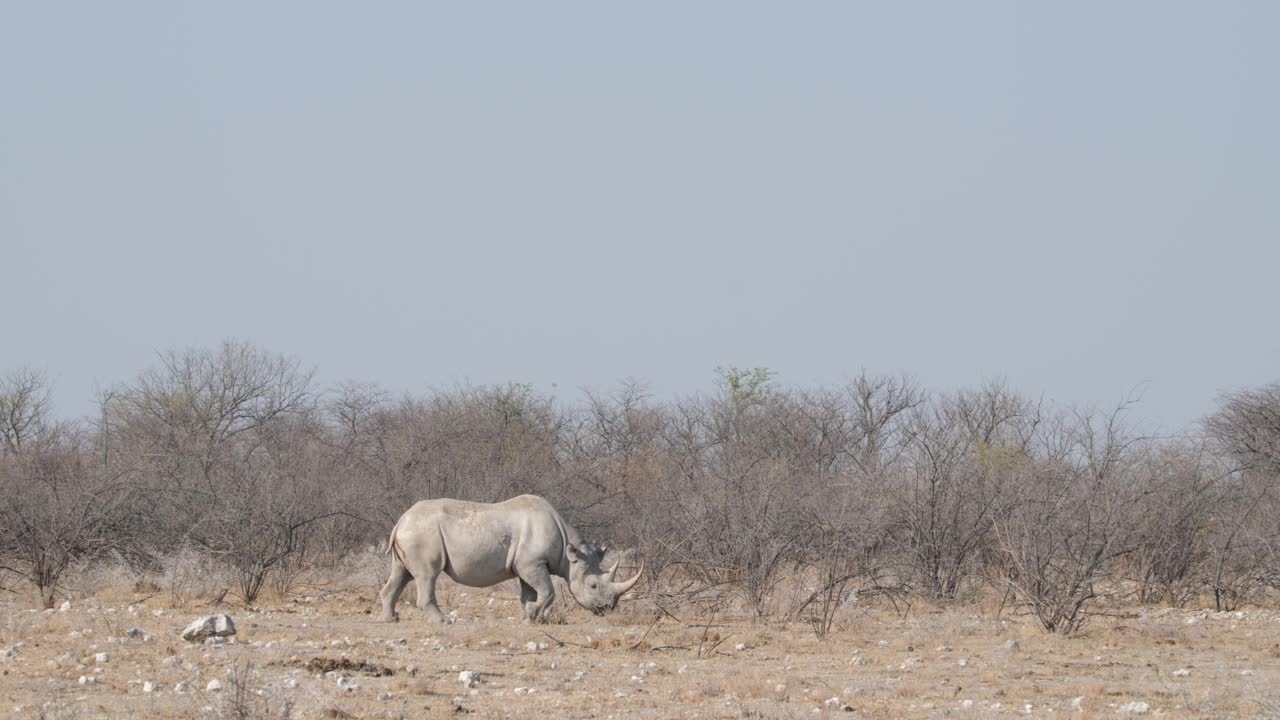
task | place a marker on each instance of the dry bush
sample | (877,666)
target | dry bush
(780,502)
(1074,519)
(59,509)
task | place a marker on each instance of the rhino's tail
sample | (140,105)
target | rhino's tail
(393,548)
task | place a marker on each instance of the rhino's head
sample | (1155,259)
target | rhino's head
(592,586)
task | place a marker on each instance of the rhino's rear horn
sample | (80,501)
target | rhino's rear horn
(622,587)
(610,572)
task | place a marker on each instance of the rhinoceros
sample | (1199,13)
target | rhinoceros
(483,544)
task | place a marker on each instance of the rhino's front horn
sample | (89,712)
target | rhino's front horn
(622,587)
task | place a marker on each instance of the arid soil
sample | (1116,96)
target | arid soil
(325,656)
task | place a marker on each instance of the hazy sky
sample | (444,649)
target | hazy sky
(1081,197)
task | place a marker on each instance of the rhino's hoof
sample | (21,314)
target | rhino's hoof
(389,618)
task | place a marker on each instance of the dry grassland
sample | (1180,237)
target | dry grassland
(324,656)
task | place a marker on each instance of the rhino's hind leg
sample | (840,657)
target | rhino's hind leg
(390,592)
(426,584)
(536,592)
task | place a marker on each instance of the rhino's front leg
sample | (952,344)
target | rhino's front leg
(527,595)
(536,583)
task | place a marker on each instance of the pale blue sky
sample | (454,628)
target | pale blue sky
(1082,197)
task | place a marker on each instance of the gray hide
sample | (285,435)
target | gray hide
(483,544)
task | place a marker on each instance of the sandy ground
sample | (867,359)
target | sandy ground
(932,663)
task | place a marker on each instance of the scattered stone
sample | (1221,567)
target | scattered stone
(148,687)
(1013,645)
(1136,708)
(741,646)
(181,688)
(214,685)
(87,680)
(521,690)
(1078,704)
(102,657)
(531,646)
(385,696)
(468,678)
(66,605)
(137,634)
(857,660)
(883,643)
(171,661)
(963,662)
(1246,672)
(966,704)
(346,683)
(1181,672)
(215,641)
(219,625)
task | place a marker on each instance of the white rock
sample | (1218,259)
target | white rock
(883,643)
(148,687)
(215,641)
(290,683)
(87,680)
(741,646)
(385,696)
(219,625)
(1135,707)
(963,662)
(520,690)
(181,688)
(1181,672)
(637,679)
(214,685)
(1013,645)
(468,678)
(857,660)
(531,646)
(102,657)
(66,605)
(966,704)
(683,669)
(1078,703)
